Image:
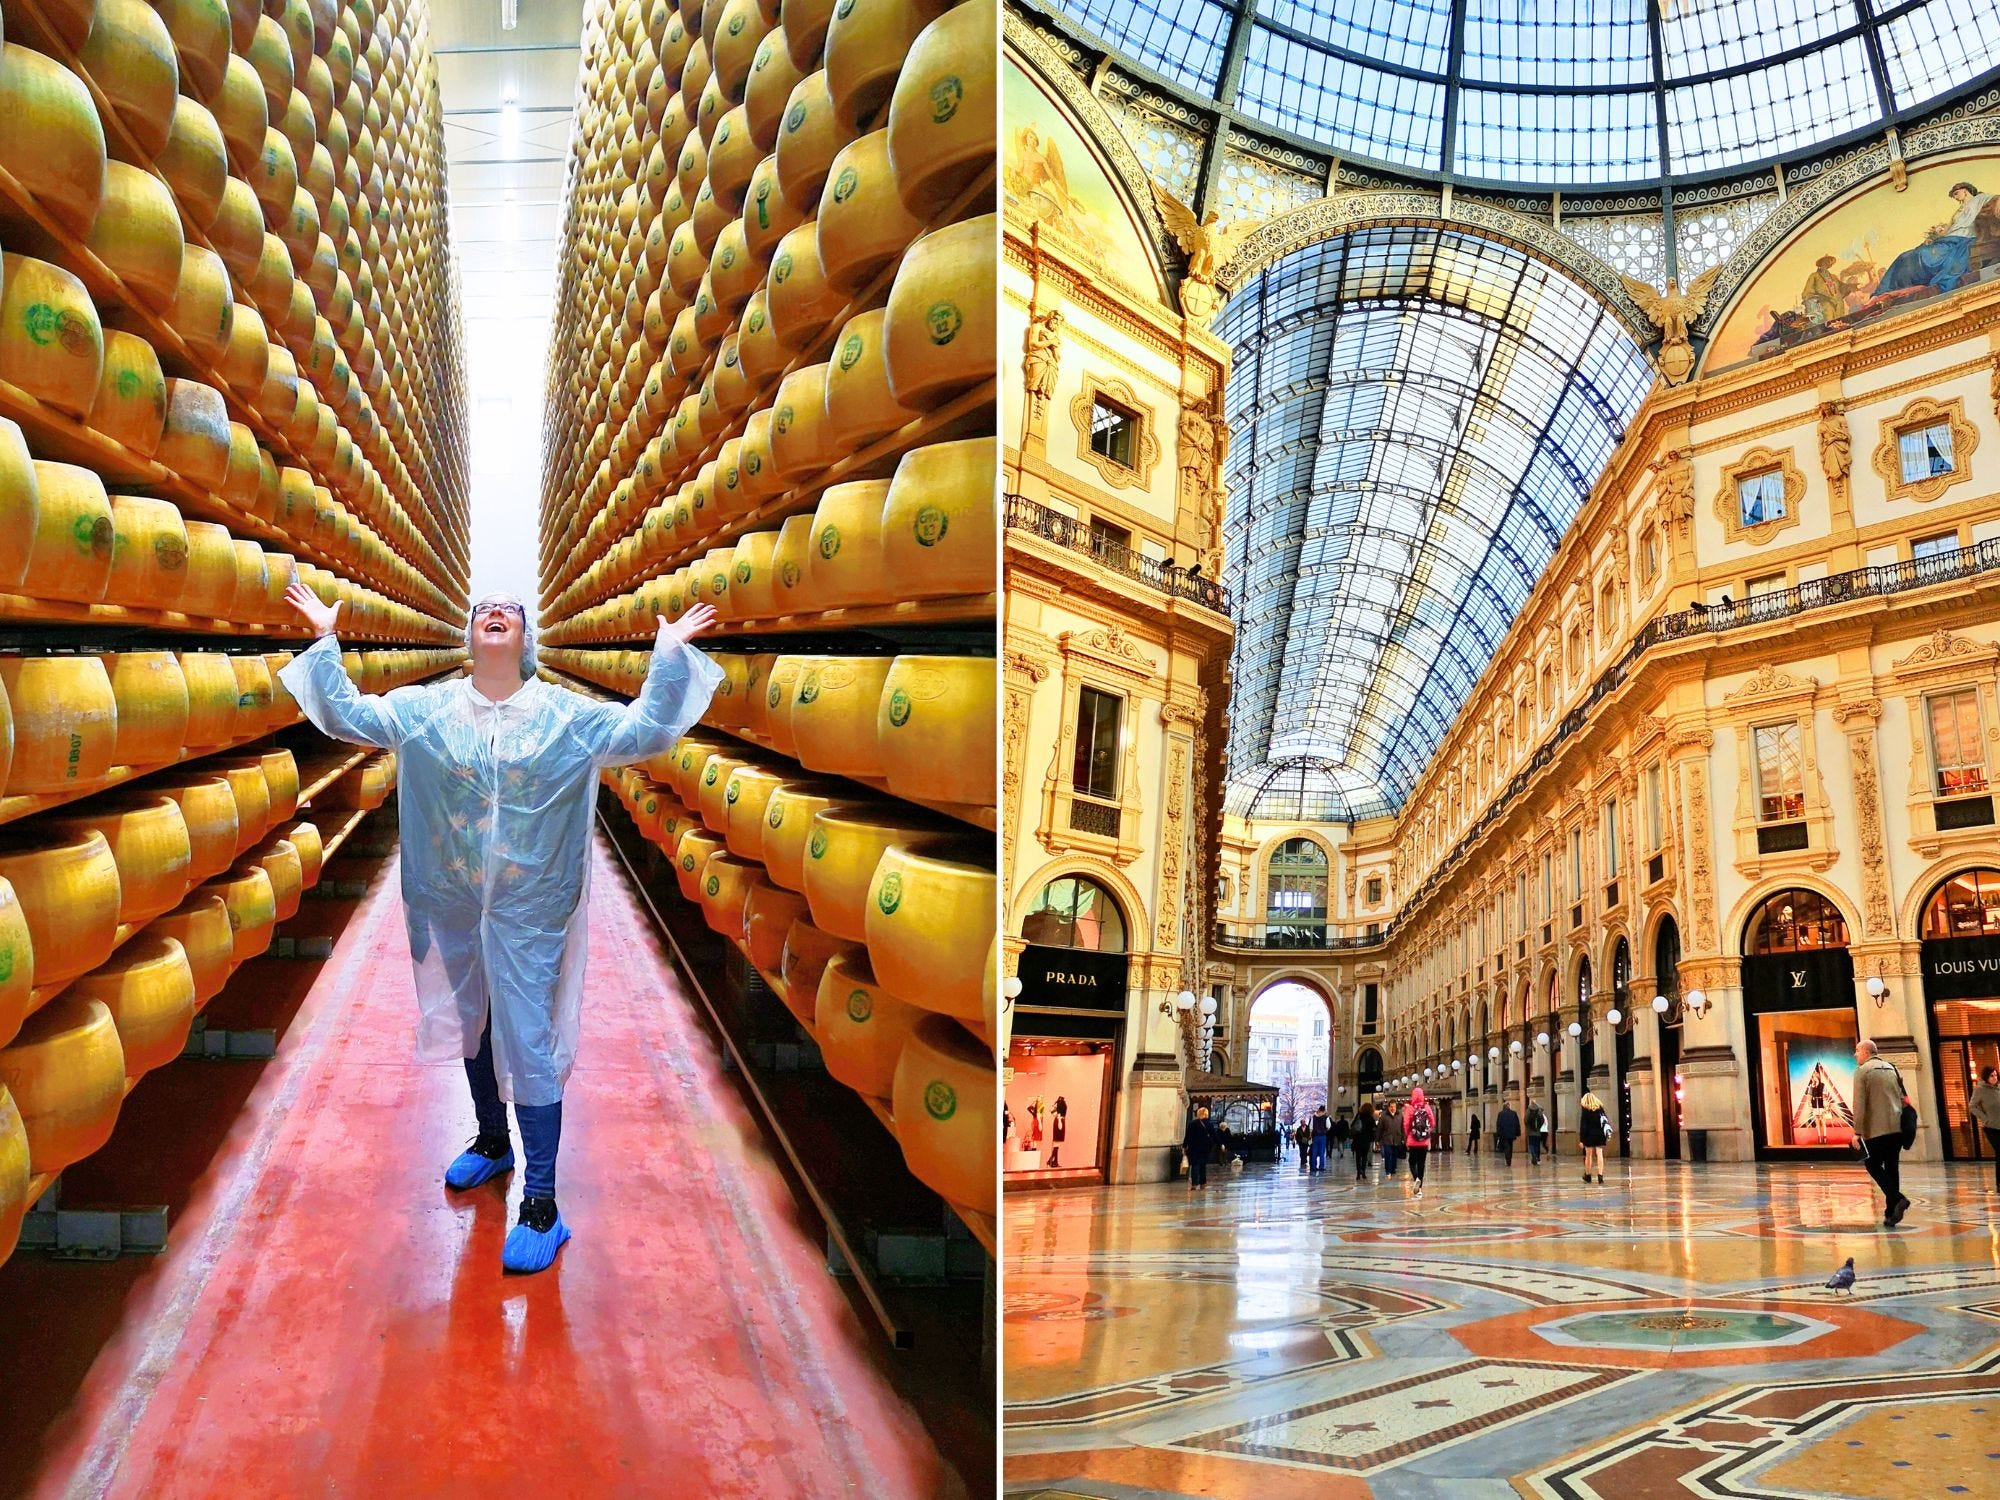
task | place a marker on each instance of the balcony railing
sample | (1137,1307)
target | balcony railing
(1277,937)
(1067,531)
(1713,619)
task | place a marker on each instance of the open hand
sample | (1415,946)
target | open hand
(679,632)
(320,616)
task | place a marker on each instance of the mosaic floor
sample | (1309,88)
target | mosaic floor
(1514,1333)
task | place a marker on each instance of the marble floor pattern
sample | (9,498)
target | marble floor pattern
(1516,1332)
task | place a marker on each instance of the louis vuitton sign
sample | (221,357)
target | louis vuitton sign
(1961,968)
(1812,980)
(1071,979)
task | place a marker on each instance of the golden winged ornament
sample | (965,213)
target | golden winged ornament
(1208,244)
(1671,311)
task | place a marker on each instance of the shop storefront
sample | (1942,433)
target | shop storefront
(1799,1020)
(1961,973)
(1069,1028)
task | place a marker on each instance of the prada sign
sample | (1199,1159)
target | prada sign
(1071,979)
(1961,968)
(1817,979)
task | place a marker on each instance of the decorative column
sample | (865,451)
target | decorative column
(1642,1078)
(1025,673)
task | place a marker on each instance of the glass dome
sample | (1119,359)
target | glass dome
(1418,415)
(1562,93)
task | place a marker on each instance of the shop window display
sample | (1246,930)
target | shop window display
(1808,1074)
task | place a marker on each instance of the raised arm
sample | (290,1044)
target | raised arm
(678,685)
(316,678)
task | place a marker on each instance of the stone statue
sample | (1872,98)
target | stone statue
(1836,447)
(1677,488)
(1043,352)
(1197,450)
(1671,312)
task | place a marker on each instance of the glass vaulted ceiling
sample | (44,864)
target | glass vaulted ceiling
(1562,93)
(1418,414)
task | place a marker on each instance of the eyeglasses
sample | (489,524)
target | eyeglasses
(481,610)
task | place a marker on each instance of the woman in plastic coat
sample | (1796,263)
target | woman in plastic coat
(497,777)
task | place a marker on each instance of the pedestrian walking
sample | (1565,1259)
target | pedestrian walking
(1506,1131)
(1984,1108)
(1364,1140)
(1389,1128)
(1341,1131)
(1878,1126)
(1419,1125)
(1302,1138)
(1538,1127)
(1196,1145)
(1319,1127)
(1593,1129)
(1472,1136)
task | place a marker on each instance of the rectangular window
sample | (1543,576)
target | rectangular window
(1096,769)
(1108,536)
(1780,773)
(1770,583)
(1611,839)
(1371,1007)
(1374,892)
(1575,861)
(1955,742)
(1761,496)
(1113,431)
(1607,611)
(1925,452)
(1649,554)
(1934,546)
(1548,886)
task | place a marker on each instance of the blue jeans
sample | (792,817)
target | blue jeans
(1534,1150)
(541,1124)
(1319,1153)
(1389,1155)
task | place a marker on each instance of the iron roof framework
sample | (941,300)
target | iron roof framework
(1560,94)
(1419,413)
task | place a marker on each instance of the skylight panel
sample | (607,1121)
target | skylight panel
(1182,39)
(1392,117)
(1938,46)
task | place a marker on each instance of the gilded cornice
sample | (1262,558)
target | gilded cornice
(1118,307)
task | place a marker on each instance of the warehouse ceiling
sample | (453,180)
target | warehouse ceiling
(509,96)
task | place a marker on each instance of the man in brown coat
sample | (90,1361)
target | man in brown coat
(1878,1124)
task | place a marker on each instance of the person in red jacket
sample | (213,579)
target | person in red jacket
(1419,1128)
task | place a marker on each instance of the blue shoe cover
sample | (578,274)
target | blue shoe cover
(529,1250)
(470,1169)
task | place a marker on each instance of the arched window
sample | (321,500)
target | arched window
(1583,986)
(1967,905)
(1295,908)
(1621,972)
(1667,958)
(1795,921)
(1367,1071)
(1074,911)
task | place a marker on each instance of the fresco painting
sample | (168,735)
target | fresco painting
(1051,176)
(1873,255)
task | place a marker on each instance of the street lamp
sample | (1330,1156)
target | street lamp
(1575,1028)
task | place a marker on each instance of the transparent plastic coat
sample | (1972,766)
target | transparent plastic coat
(496,805)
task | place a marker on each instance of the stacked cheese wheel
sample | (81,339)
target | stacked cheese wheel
(771,390)
(229,357)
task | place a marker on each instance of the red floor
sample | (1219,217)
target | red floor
(328,1320)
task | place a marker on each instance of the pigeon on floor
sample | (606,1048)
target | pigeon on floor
(1843,1279)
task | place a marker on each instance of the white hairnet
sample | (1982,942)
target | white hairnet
(528,662)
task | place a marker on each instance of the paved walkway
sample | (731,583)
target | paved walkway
(1516,1333)
(330,1321)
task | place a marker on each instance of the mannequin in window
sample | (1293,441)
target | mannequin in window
(1032,1140)
(1058,1128)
